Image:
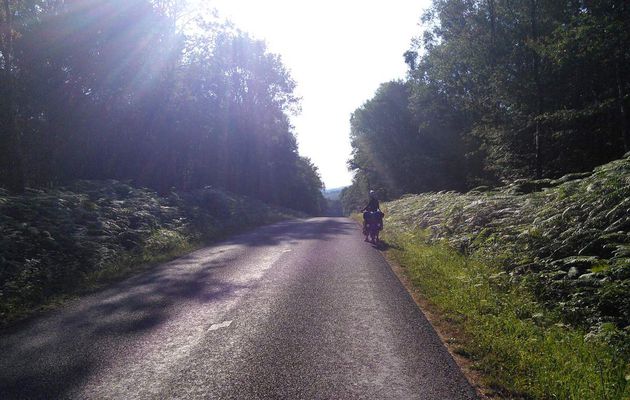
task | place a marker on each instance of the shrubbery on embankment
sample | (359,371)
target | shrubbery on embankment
(537,274)
(58,242)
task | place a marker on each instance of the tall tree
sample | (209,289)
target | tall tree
(119,89)
(499,90)
(12,149)
(400,151)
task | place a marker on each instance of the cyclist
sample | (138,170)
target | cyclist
(371,207)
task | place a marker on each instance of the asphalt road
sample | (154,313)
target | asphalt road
(296,310)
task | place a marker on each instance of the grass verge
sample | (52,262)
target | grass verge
(522,349)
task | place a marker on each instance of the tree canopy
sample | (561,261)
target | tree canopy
(499,90)
(123,89)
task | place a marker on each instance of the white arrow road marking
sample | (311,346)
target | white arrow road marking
(223,324)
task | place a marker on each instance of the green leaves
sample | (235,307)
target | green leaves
(569,237)
(118,89)
(498,91)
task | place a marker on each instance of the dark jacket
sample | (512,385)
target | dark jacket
(372,205)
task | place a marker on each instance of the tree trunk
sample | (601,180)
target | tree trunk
(539,95)
(493,24)
(15,172)
(620,61)
(621,97)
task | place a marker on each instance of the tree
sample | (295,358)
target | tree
(403,141)
(11,150)
(118,89)
(499,90)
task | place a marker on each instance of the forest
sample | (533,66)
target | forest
(135,131)
(497,91)
(138,91)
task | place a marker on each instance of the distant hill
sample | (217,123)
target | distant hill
(333,194)
(333,202)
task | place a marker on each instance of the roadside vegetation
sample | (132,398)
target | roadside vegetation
(57,243)
(523,349)
(536,275)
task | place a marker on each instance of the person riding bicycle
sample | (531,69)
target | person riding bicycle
(372,206)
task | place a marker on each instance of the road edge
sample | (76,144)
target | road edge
(449,334)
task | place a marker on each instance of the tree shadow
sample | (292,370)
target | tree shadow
(324,228)
(50,356)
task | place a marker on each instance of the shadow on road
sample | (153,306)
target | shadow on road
(312,229)
(382,245)
(49,357)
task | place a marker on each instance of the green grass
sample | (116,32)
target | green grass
(162,245)
(520,346)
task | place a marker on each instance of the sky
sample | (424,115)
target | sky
(338,52)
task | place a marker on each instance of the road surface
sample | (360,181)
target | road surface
(297,310)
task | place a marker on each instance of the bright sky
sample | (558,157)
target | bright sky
(338,52)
